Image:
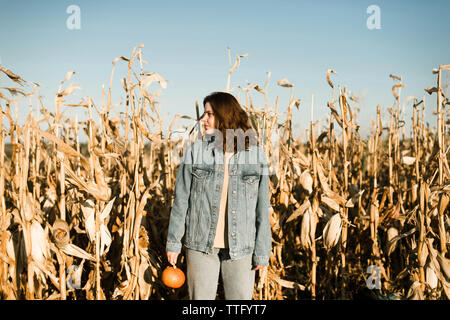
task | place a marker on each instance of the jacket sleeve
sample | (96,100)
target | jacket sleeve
(180,202)
(263,243)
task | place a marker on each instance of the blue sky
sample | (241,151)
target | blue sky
(186,42)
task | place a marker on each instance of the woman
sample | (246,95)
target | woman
(221,204)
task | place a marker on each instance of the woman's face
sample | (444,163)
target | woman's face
(208,119)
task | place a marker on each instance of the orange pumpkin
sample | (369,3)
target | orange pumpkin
(173,277)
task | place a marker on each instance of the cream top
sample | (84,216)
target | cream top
(221,239)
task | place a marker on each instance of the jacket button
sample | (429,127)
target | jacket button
(234,191)
(233,211)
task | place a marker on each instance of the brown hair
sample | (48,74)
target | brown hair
(229,114)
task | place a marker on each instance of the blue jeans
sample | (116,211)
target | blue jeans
(203,275)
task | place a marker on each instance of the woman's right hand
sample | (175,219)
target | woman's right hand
(172,257)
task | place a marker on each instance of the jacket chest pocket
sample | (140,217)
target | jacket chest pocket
(199,177)
(201,173)
(250,178)
(250,181)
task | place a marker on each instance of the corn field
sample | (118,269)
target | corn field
(89,220)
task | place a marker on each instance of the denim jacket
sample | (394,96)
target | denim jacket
(198,189)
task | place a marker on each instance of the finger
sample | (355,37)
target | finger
(172,259)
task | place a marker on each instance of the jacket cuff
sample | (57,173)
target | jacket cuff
(173,246)
(260,260)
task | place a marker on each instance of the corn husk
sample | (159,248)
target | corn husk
(414,189)
(306,181)
(308,228)
(444,266)
(89,212)
(332,231)
(443,203)
(39,243)
(423,256)
(391,240)
(61,233)
(431,277)
(88,209)
(408,160)
(105,235)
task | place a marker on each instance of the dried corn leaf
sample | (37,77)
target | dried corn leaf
(68,91)
(430,90)
(153,77)
(237,62)
(13,76)
(414,292)
(285,83)
(331,203)
(69,75)
(62,146)
(328,77)
(289,284)
(299,211)
(76,251)
(102,193)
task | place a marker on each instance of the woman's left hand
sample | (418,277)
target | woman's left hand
(258,267)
